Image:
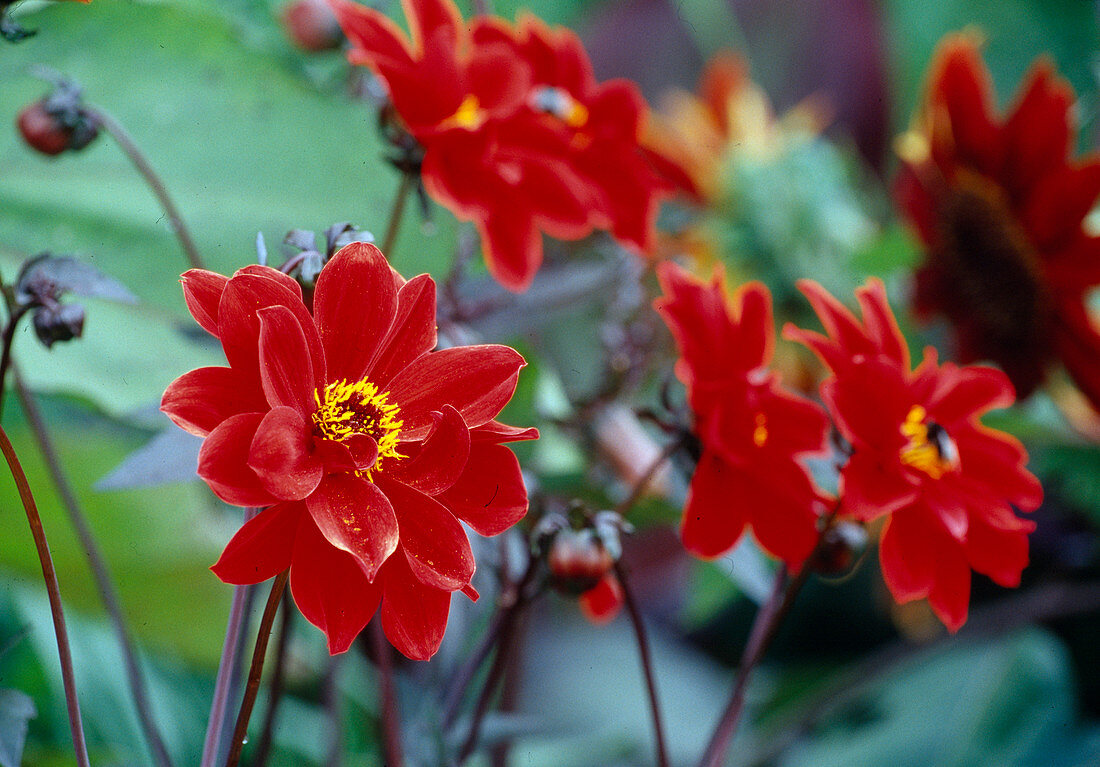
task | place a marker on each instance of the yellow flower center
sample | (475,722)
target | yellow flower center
(469,114)
(930,449)
(760,433)
(344,410)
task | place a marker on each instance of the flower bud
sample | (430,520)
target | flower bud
(58,322)
(58,122)
(312,26)
(578,561)
(841,546)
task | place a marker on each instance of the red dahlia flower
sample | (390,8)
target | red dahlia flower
(920,455)
(999,205)
(366,447)
(518,136)
(753,432)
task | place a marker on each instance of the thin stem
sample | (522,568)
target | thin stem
(496,672)
(227,669)
(126,143)
(68,679)
(511,602)
(15,313)
(282,644)
(640,486)
(391,719)
(256,669)
(764,628)
(394,225)
(100,572)
(334,711)
(647,663)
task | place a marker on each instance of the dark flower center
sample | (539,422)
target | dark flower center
(990,281)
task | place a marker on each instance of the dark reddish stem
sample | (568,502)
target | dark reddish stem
(256,669)
(647,663)
(68,679)
(763,631)
(99,569)
(126,143)
(282,645)
(15,313)
(642,484)
(396,213)
(391,717)
(496,673)
(227,669)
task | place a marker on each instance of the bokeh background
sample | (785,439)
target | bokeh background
(252,135)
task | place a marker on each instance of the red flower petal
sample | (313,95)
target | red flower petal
(872,485)
(1079,347)
(353,329)
(496,432)
(282,455)
(412,333)
(512,247)
(869,403)
(781,502)
(960,85)
(1057,205)
(999,553)
(283,279)
(442,457)
(262,548)
(601,603)
(286,370)
(908,552)
(356,517)
(882,326)
(965,393)
(239,325)
(434,542)
(490,495)
(476,380)
(1037,131)
(330,588)
(202,292)
(201,399)
(950,595)
(223,462)
(712,524)
(996,461)
(414,616)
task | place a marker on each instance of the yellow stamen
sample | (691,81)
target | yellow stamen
(760,433)
(924,452)
(469,114)
(344,410)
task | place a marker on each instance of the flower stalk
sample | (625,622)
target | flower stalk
(68,679)
(256,669)
(391,716)
(100,573)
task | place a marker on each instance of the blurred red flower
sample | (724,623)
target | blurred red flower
(518,135)
(1000,205)
(920,455)
(367,447)
(752,431)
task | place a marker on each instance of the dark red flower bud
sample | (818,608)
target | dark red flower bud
(843,543)
(51,131)
(578,560)
(58,322)
(312,26)
(42,130)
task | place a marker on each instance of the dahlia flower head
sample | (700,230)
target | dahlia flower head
(754,433)
(920,458)
(1000,205)
(365,449)
(518,135)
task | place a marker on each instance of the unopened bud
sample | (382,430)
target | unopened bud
(841,546)
(578,560)
(312,26)
(58,322)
